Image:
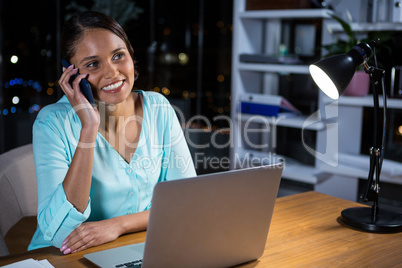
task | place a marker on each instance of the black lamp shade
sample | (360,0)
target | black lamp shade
(333,74)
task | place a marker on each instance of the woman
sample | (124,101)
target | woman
(96,166)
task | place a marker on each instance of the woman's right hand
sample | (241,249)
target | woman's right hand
(89,115)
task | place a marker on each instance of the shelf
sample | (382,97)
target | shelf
(357,166)
(293,170)
(279,68)
(299,172)
(286,14)
(366,101)
(300,122)
(367,27)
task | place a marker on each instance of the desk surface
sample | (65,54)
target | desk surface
(304,232)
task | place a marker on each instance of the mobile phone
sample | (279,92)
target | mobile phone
(84,85)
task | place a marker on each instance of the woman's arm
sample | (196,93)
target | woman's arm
(54,154)
(63,152)
(91,234)
(77,183)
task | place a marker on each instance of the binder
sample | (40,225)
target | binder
(266,105)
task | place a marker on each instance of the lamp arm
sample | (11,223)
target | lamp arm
(376,153)
(367,194)
(384,121)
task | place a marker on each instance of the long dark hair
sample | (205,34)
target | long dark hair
(76,26)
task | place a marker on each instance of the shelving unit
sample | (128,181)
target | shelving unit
(337,124)
(259,32)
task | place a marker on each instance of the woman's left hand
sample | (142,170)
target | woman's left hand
(91,234)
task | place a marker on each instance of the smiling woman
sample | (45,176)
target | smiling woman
(106,60)
(91,187)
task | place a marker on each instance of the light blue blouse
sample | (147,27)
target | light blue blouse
(117,188)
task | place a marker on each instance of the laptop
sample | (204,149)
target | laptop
(214,220)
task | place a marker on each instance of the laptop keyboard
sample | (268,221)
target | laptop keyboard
(133,264)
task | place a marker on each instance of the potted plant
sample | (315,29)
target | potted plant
(360,83)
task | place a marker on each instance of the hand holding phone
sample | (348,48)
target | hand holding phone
(84,85)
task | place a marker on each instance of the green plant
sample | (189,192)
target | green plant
(342,46)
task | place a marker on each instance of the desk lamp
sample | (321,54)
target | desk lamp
(332,75)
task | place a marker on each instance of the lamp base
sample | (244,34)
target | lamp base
(360,218)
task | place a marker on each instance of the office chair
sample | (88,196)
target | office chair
(18,195)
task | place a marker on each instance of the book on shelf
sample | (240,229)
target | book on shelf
(266,105)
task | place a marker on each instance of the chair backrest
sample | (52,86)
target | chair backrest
(3,247)
(18,192)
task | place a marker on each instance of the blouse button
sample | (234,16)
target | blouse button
(131,193)
(129,170)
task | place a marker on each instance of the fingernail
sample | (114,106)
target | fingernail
(63,248)
(64,242)
(70,66)
(74,251)
(67,251)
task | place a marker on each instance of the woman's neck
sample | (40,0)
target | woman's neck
(113,116)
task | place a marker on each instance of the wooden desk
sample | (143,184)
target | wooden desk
(304,233)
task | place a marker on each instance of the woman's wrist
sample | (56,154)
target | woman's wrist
(88,137)
(121,224)
(132,223)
